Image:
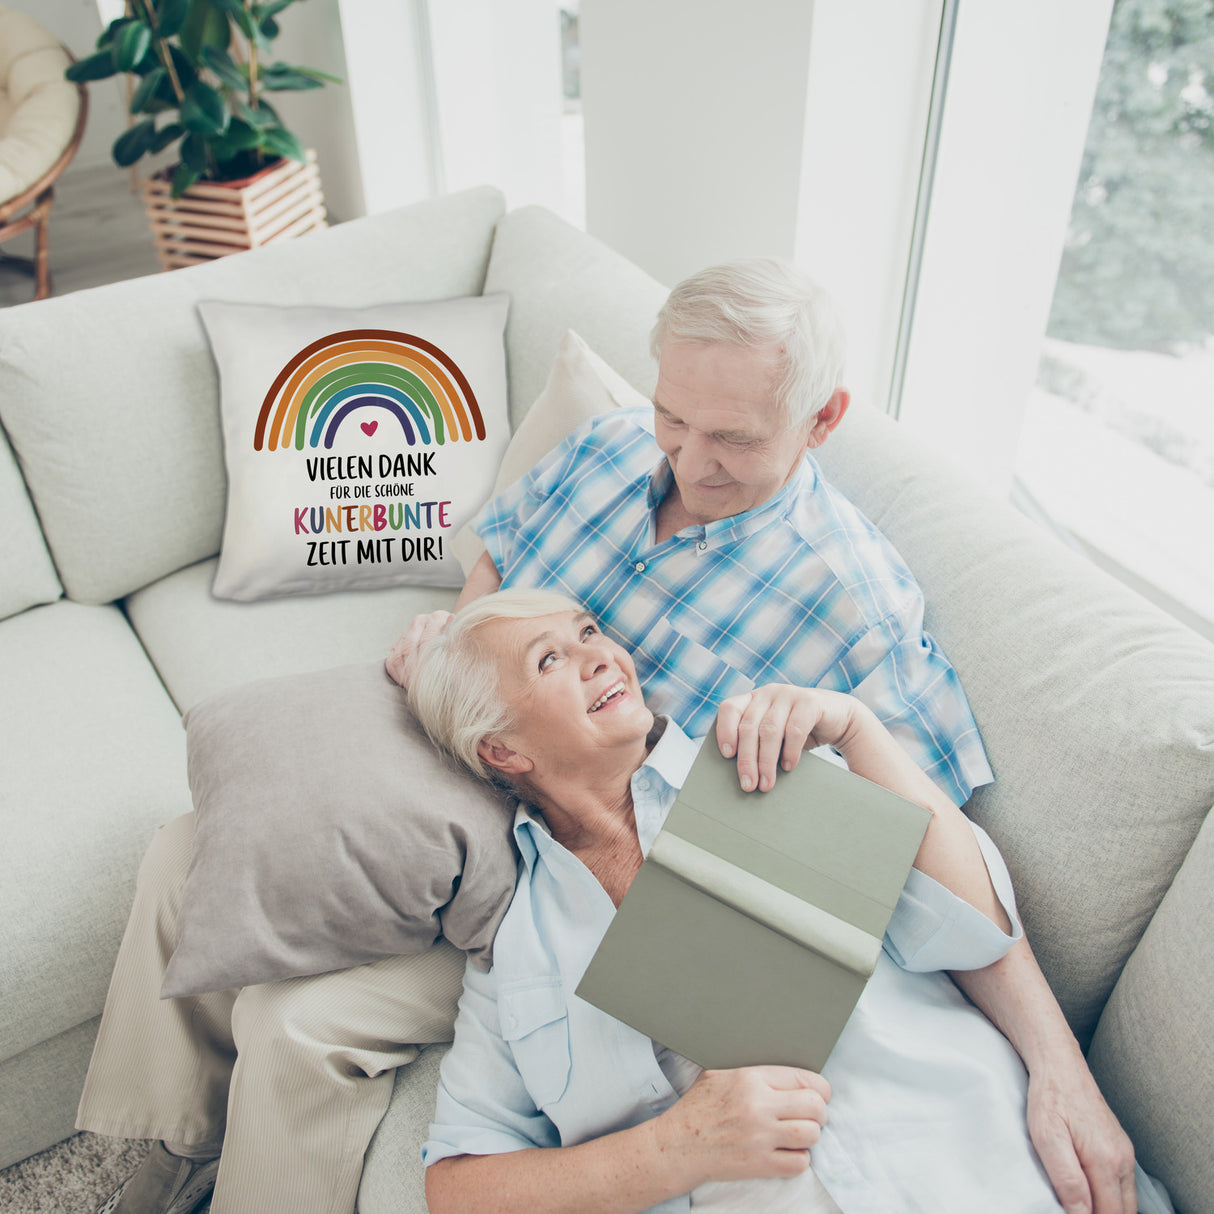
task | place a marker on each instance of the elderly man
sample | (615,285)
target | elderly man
(704,538)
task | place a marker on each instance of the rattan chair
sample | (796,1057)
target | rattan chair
(42,118)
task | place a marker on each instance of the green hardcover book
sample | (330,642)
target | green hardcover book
(757,918)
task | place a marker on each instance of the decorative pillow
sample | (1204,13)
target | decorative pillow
(357,440)
(580,386)
(330,833)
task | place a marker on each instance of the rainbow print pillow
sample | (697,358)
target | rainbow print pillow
(358,441)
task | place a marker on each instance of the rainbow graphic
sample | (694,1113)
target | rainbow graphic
(339,375)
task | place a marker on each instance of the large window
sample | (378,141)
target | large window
(1117,444)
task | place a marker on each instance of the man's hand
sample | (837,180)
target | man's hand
(400,662)
(770,727)
(1087,1155)
(750,1122)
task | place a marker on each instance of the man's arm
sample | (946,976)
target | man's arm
(484,579)
(1087,1155)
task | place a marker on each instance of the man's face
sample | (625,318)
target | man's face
(716,419)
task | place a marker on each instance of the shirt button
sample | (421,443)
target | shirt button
(639,566)
(702,545)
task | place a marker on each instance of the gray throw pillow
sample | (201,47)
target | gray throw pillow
(329,833)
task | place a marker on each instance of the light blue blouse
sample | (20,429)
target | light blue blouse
(928,1104)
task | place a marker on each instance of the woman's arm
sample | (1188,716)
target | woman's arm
(769,728)
(730,1125)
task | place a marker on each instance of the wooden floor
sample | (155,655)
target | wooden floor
(98,234)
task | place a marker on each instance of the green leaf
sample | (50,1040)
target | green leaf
(248,26)
(132,144)
(144,97)
(95,67)
(131,43)
(203,111)
(187,73)
(171,16)
(268,29)
(106,37)
(194,153)
(262,118)
(271,9)
(205,26)
(225,67)
(317,74)
(183,178)
(281,142)
(280,77)
(166,135)
(241,137)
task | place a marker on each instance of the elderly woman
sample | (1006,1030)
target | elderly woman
(547,1103)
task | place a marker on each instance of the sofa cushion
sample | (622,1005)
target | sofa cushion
(321,405)
(1152,1054)
(1097,710)
(330,833)
(201,645)
(27,575)
(117,429)
(558,279)
(393,1179)
(580,386)
(93,760)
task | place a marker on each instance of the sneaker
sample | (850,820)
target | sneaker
(164,1184)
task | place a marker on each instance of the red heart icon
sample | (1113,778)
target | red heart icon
(369,427)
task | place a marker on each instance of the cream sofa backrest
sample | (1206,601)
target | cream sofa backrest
(128,475)
(27,575)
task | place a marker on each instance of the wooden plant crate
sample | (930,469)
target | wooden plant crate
(215,218)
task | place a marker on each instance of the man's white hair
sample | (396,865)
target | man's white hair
(454,691)
(763,303)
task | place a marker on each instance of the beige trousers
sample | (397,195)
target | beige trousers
(293,1076)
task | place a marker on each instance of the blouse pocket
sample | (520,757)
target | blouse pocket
(535,1023)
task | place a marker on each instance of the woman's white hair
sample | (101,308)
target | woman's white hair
(763,303)
(454,691)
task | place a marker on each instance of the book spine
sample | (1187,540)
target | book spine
(802,922)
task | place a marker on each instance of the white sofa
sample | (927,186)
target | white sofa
(1097,711)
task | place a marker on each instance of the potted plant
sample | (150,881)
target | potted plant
(201,71)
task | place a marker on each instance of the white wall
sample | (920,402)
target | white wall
(695,121)
(497,70)
(870,82)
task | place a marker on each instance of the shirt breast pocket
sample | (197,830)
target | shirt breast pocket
(535,1024)
(684,675)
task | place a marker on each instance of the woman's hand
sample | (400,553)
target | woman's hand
(772,725)
(751,1122)
(401,661)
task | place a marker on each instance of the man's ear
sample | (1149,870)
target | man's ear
(495,754)
(829,416)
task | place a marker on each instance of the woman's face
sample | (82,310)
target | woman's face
(574,693)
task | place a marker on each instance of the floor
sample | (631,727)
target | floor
(98,234)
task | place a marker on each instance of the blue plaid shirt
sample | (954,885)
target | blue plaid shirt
(802,589)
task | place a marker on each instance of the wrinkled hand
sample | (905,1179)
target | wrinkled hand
(772,725)
(403,656)
(1087,1155)
(750,1122)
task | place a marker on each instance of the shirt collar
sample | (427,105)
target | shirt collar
(655,784)
(737,526)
